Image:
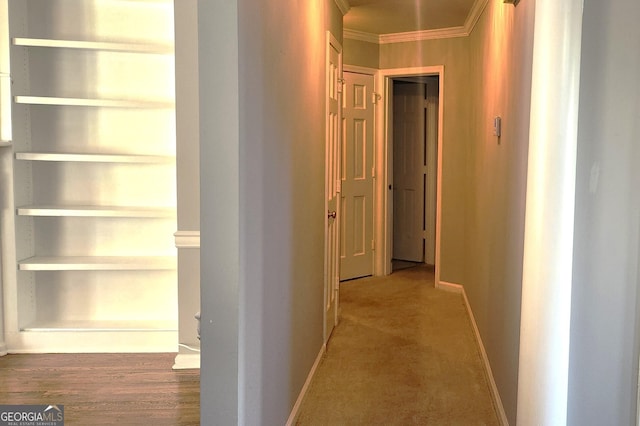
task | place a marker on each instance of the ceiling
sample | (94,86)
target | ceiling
(401,16)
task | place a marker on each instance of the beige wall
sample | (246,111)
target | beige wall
(454,55)
(487,74)
(361,53)
(501,50)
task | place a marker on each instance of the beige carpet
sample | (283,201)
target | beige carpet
(404,353)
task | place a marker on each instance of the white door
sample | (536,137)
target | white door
(408,171)
(356,237)
(332,185)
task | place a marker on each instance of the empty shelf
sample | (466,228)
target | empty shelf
(111,103)
(93,45)
(97,263)
(93,158)
(98,325)
(95,211)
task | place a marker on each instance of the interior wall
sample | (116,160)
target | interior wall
(361,53)
(487,74)
(603,365)
(453,53)
(262,107)
(187,162)
(501,51)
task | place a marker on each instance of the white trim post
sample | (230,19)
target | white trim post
(548,243)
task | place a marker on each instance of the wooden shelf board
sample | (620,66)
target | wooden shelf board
(111,103)
(97,263)
(95,211)
(94,158)
(93,45)
(97,325)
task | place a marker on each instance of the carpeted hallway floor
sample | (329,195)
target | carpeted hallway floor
(404,353)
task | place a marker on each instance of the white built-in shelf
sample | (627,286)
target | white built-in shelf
(93,45)
(5,143)
(97,325)
(83,102)
(94,158)
(97,263)
(95,211)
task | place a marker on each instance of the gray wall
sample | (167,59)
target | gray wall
(187,161)
(262,105)
(603,365)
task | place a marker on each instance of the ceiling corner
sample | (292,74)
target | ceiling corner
(474,15)
(343,5)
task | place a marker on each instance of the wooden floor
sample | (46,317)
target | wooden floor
(104,389)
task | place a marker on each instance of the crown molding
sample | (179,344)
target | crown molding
(474,15)
(423,35)
(361,35)
(343,5)
(452,32)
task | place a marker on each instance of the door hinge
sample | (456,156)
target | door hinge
(373,244)
(425,234)
(375,97)
(339,186)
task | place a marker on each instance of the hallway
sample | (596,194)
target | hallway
(403,353)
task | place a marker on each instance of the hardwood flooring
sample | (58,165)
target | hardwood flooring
(104,389)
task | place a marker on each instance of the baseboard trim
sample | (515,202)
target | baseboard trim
(3,349)
(186,362)
(497,401)
(294,412)
(456,288)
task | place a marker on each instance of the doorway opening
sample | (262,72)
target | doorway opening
(411,209)
(414,121)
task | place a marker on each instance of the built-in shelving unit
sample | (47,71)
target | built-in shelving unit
(93,118)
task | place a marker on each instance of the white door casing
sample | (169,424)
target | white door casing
(356,237)
(408,171)
(332,184)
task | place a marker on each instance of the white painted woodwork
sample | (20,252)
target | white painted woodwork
(94,211)
(383,227)
(432,89)
(84,102)
(88,257)
(356,236)
(93,45)
(409,145)
(92,158)
(549,217)
(5,142)
(332,184)
(95,263)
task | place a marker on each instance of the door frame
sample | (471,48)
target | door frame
(384,162)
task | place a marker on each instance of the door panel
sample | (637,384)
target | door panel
(356,255)
(408,171)
(332,185)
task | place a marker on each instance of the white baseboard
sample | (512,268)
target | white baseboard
(3,349)
(497,401)
(186,361)
(456,288)
(294,412)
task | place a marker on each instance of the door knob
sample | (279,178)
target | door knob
(332,214)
